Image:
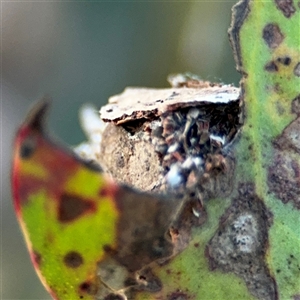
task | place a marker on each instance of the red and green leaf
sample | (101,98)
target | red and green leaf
(74,218)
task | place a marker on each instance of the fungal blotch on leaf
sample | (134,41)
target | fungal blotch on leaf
(272,35)
(287,7)
(72,207)
(73,259)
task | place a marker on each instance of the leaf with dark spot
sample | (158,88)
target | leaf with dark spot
(28,147)
(76,218)
(73,259)
(72,207)
(271,67)
(267,153)
(272,35)
(286,7)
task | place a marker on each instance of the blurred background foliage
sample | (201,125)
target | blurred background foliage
(80,52)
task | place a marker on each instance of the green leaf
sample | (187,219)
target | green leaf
(266,40)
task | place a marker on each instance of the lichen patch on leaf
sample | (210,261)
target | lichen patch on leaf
(241,241)
(284,177)
(290,138)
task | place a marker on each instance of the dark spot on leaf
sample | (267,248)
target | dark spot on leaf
(285,60)
(272,35)
(36,257)
(71,207)
(28,147)
(89,288)
(286,6)
(271,67)
(297,70)
(73,259)
(114,297)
